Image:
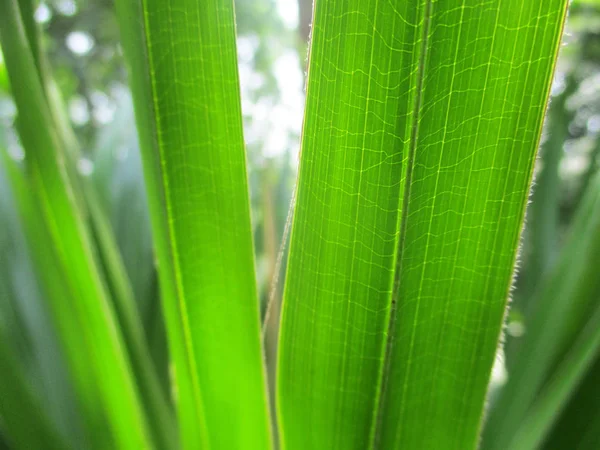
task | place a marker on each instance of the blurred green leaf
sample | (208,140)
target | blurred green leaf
(24,314)
(563,382)
(155,400)
(421,129)
(579,422)
(586,2)
(70,240)
(60,299)
(3,75)
(563,305)
(21,415)
(118,183)
(184,79)
(161,418)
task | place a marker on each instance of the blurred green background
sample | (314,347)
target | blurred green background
(81,38)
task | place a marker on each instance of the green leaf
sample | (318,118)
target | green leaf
(587,2)
(70,240)
(579,422)
(421,129)
(118,181)
(159,410)
(160,415)
(563,383)
(184,79)
(24,308)
(21,415)
(564,304)
(60,298)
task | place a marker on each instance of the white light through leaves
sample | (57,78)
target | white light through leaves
(288,11)
(79,42)
(42,13)
(78,111)
(66,7)
(85,167)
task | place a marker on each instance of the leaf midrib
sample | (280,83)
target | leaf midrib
(385,367)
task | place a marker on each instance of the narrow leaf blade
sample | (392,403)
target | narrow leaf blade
(184,77)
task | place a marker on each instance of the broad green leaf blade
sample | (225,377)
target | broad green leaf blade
(21,415)
(70,239)
(421,129)
(184,79)
(564,305)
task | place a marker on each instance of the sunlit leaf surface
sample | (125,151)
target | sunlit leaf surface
(421,129)
(182,60)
